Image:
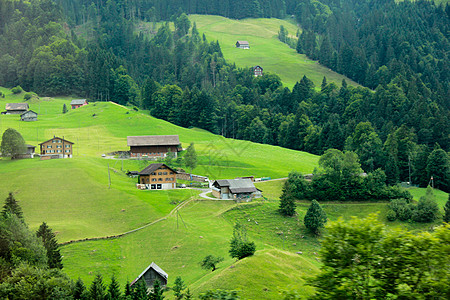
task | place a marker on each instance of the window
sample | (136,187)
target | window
(49,146)
(159,173)
(158,186)
(153,179)
(167,179)
(153,186)
(47,151)
(148,180)
(58,146)
(67,151)
(54,141)
(59,151)
(160,179)
(67,146)
(164,173)
(154,173)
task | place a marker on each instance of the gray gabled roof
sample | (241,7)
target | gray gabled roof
(29,112)
(16,106)
(154,267)
(153,167)
(78,101)
(238,186)
(153,140)
(242,42)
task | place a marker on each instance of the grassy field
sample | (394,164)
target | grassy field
(74,197)
(265,48)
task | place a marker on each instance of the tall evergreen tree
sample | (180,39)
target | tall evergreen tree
(178,288)
(51,245)
(157,291)
(446,216)
(315,217)
(11,206)
(97,289)
(79,291)
(114,290)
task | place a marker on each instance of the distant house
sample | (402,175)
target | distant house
(78,103)
(153,145)
(158,177)
(235,189)
(16,108)
(152,273)
(28,116)
(242,45)
(29,152)
(57,146)
(258,71)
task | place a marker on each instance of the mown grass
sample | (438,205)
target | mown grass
(265,48)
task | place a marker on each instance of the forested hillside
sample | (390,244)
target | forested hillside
(398,50)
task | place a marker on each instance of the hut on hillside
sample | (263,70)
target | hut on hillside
(152,273)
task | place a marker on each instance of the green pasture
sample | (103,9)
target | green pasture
(265,48)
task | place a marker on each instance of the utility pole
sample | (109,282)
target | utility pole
(109,178)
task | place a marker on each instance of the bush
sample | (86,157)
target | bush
(240,247)
(427,210)
(402,209)
(28,96)
(2,95)
(391,215)
(17,90)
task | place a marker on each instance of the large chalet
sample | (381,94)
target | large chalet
(56,146)
(158,177)
(153,145)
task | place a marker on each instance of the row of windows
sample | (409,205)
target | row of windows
(58,146)
(159,179)
(57,151)
(162,173)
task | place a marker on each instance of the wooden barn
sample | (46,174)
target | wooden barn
(16,108)
(58,146)
(152,273)
(158,177)
(78,103)
(29,116)
(258,71)
(152,146)
(242,45)
(235,189)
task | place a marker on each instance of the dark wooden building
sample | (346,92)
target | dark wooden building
(78,103)
(158,177)
(153,145)
(242,45)
(258,71)
(58,146)
(152,273)
(16,108)
(29,116)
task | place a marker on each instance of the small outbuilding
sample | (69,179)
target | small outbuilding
(78,103)
(235,189)
(29,116)
(152,273)
(242,45)
(16,108)
(158,177)
(258,71)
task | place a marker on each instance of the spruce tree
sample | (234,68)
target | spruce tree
(97,289)
(188,295)
(140,290)
(79,291)
(157,291)
(315,217)
(51,245)
(127,293)
(64,110)
(11,206)
(178,288)
(446,216)
(114,289)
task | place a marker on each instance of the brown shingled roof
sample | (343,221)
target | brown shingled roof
(16,106)
(153,140)
(153,167)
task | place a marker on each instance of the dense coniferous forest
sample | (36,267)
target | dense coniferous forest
(400,51)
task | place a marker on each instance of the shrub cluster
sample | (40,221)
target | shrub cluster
(17,90)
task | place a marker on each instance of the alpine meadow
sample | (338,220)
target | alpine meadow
(224,149)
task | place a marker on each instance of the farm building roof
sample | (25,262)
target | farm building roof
(153,140)
(154,267)
(55,137)
(242,42)
(16,106)
(29,111)
(153,167)
(238,186)
(78,102)
(30,146)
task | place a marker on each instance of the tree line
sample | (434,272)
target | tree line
(177,75)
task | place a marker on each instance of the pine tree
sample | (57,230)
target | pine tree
(188,295)
(315,217)
(127,291)
(157,292)
(178,288)
(140,290)
(446,216)
(287,204)
(11,206)
(114,289)
(54,259)
(97,289)
(79,291)
(64,110)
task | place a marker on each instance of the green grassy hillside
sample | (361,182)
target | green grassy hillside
(265,48)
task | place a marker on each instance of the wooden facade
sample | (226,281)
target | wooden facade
(29,116)
(78,103)
(153,146)
(242,45)
(57,146)
(258,71)
(152,273)
(158,177)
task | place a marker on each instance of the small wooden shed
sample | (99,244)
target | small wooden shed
(152,273)
(29,116)
(242,45)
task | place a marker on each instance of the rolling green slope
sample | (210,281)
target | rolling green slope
(265,48)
